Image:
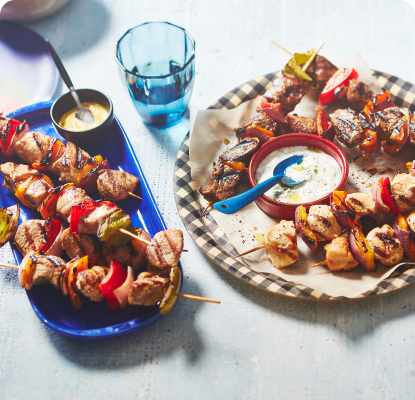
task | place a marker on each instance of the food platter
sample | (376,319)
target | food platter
(204,231)
(93,321)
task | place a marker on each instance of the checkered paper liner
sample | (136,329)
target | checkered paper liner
(210,239)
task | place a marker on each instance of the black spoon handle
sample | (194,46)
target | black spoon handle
(59,65)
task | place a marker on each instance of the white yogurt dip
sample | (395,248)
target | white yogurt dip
(321,171)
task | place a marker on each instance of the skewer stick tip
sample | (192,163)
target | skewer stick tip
(9,266)
(282,47)
(320,263)
(209,204)
(134,195)
(250,251)
(198,298)
(135,236)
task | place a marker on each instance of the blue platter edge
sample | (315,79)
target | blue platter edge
(48,303)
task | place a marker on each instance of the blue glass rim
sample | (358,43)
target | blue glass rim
(158,76)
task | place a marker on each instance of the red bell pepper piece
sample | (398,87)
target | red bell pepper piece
(386,194)
(50,232)
(114,279)
(54,148)
(83,208)
(322,123)
(7,133)
(335,84)
(48,206)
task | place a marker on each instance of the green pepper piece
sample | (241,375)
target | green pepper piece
(109,232)
(294,65)
(171,294)
(5,222)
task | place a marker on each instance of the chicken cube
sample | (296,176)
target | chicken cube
(403,191)
(339,256)
(323,223)
(361,203)
(387,248)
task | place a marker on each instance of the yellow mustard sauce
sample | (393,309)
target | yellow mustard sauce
(68,120)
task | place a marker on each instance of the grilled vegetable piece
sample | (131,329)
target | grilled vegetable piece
(371,142)
(348,127)
(402,188)
(87,217)
(411,128)
(32,235)
(108,230)
(386,247)
(358,94)
(9,219)
(36,269)
(343,214)
(261,120)
(386,120)
(68,199)
(113,280)
(11,130)
(380,102)
(323,223)
(281,244)
(403,229)
(337,86)
(14,174)
(303,228)
(172,291)
(301,124)
(165,252)
(87,282)
(242,151)
(148,289)
(73,268)
(287,90)
(321,70)
(223,182)
(88,181)
(360,248)
(115,185)
(339,256)
(325,129)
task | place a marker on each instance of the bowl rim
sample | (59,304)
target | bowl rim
(110,111)
(318,139)
(121,64)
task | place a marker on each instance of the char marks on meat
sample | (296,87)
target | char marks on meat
(321,70)
(223,182)
(302,124)
(348,127)
(358,95)
(263,121)
(242,151)
(14,174)
(33,147)
(386,121)
(87,282)
(287,90)
(115,185)
(148,290)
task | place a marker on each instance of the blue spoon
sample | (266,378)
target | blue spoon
(233,204)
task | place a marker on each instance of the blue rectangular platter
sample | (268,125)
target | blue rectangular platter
(93,321)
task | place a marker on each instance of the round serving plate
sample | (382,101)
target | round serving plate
(202,230)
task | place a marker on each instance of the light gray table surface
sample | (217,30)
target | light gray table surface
(254,345)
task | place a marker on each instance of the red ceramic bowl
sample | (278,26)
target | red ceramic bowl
(283,210)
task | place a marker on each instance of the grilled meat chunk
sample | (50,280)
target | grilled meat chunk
(33,147)
(261,120)
(302,124)
(79,245)
(148,290)
(122,254)
(14,174)
(358,95)
(115,185)
(69,164)
(287,90)
(242,151)
(321,70)
(87,282)
(323,223)
(386,120)
(47,269)
(90,222)
(37,192)
(403,191)
(361,204)
(348,127)
(68,199)
(387,248)
(223,183)
(338,255)
(281,244)
(411,127)
(165,252)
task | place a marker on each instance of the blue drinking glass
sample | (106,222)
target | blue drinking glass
(158,62)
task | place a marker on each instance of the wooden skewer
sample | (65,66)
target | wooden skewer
(135,237)
(320,263)
(250,251)
(209,204)
(9,266)
(134,195)
(281,47)
(198,298)
(307,64)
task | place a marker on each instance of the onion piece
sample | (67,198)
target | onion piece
(358,256)
(301,232)
(122,292)
(402,235)
(139,259)
(342,216)
(89,181)
(329,133)
(377,197)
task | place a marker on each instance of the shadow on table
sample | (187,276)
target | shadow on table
(175,332)
(65,31)
(353,318)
